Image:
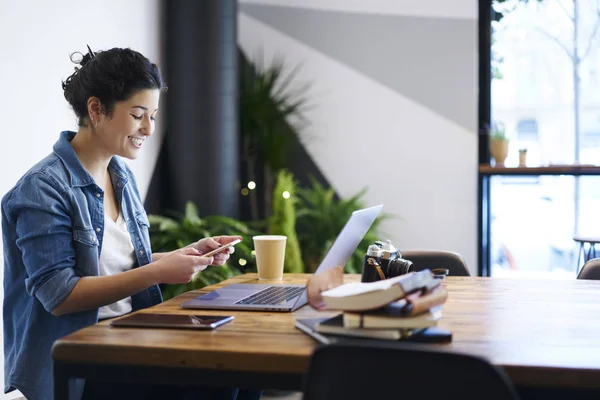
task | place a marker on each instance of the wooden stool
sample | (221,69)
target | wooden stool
(591,252)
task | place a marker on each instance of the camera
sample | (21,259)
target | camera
(383,261)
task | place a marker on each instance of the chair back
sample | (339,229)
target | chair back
(396,371)
(590,270)
(431,259)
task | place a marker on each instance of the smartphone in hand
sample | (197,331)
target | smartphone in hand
(220,249)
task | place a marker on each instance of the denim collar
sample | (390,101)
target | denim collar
(78,176)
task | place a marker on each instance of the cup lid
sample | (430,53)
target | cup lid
(269,237)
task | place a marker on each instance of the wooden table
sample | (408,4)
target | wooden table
(545,333)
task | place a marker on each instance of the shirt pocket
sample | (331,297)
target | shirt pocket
(87,251)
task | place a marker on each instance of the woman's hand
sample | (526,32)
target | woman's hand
(207,244)
(179,266)
(321,282)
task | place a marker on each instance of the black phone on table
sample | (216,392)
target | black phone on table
(184,321)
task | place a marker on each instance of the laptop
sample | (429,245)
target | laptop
(284,297)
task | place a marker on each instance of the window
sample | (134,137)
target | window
(546,93)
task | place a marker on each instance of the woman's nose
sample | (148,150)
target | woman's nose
(146,127)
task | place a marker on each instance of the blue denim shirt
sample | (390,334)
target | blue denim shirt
(52,225)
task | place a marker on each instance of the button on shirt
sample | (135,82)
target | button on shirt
(52,222)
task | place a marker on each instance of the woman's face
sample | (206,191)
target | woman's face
(131,123)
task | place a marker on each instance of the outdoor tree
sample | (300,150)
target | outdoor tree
(502,7)
(577,48)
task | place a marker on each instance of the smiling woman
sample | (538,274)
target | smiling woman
(115,96)
(75,232)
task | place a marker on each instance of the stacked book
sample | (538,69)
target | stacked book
(393,309)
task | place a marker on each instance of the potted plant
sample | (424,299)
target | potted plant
(522,157)
(498,143)
(272,106)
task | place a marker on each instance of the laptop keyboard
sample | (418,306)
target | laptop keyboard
(272,295)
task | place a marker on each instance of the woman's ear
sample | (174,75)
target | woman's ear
(94,107)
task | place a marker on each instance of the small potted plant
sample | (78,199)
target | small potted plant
(498,143)
(522,157)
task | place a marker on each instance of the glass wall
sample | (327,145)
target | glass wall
(545,86)
(546,92)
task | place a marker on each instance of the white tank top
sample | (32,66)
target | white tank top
(117,255)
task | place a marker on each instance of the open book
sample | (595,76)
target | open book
(362,296)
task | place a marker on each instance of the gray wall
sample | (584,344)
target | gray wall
(394,105)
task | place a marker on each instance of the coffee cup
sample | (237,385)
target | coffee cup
(270,255)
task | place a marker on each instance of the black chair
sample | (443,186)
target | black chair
(591,241)
(353,370)
(590,270)
(432,259)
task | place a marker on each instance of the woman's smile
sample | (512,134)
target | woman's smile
(136,141)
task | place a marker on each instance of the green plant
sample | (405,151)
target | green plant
(497,131)
(171,233)
(321,217)
(271,114)
(283,220)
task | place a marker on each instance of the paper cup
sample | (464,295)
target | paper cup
(270,253)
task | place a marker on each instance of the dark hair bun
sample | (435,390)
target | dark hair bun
(113,75)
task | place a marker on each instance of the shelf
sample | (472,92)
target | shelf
(488,170)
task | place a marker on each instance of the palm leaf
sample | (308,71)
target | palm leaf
(269,108)
(321,216)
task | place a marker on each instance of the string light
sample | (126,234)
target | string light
(253,252)
(242,262)
(245,192)
(286,195)
(251,185)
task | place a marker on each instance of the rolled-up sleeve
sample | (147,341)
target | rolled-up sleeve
(44,236)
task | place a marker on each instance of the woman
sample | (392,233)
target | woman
(75,233)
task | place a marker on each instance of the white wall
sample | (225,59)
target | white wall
(420,8)
(396,137)
(36,39)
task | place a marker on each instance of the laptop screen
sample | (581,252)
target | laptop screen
(346,242)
